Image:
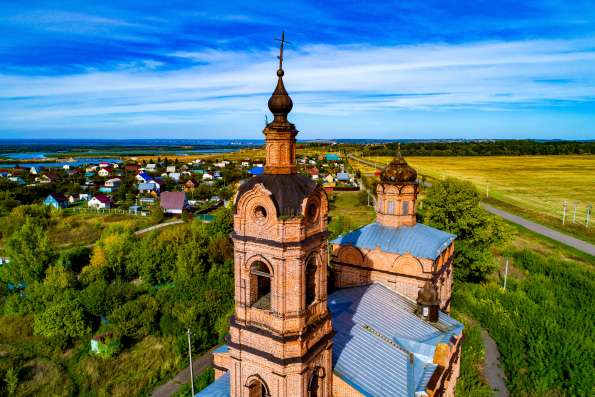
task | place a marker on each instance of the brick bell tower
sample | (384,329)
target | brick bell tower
(280,342)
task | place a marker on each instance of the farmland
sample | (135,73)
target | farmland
(531,186)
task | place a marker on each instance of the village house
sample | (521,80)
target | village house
(18,180)
(173,202)
(100,201)
(175,176)
(143,177)
(149,187)
(207,176)
(34,170)
(170,168)
(151,167)
(111,185)
(104,172)
(104,165)
(191,184)
(75,198)
(56,200)
(131,167)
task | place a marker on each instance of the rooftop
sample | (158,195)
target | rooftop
(375,325)
(420,240)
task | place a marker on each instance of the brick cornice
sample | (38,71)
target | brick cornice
(279,244)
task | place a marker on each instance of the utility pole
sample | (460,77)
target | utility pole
(190,358)
(505,273)
(564,214)
(588,217)
(574,214)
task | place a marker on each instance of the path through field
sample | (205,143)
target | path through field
(493,370)
(544,231)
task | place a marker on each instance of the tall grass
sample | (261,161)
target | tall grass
(542,323)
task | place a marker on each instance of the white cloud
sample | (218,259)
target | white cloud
(322,79)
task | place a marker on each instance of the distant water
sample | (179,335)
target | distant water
(26,155)
(59,164)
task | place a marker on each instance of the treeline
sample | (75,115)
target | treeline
(126,288)
(481,148)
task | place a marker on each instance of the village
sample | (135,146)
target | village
(176,188)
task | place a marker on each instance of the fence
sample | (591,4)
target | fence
(106,211)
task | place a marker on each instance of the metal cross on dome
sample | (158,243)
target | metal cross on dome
(280,57)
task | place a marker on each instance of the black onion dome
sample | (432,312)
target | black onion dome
(428,295)
(398,171)
(280,102)
(288,191)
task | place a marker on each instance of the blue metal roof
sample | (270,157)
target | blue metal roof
(257,171)
(219,388)
(376,331)
(420,240)
(332,157)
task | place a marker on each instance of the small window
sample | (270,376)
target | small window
(405,207)
(260,214)
(260,285)
(391,207)
(311,281)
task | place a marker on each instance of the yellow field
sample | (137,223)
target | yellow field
(537,185)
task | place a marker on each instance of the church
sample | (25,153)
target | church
(382,329)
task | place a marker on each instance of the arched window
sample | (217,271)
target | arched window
(315,384)
(260,286)
(311,281)
(391,207)
(257,388)
(405,207)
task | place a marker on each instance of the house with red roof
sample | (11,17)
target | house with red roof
(100,201)
(173,202)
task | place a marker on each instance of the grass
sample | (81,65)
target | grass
(85,228)
(532,186)
(346,213)
(542,323)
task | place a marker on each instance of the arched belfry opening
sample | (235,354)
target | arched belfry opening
(260,286)
(311,268)
(257,388)
(315,383)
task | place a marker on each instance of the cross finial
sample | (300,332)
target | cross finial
(280,57)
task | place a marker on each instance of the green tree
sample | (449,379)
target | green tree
(135,319)
(453,206)
(30,254)
(63,318)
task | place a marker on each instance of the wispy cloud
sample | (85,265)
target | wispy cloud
(118,68)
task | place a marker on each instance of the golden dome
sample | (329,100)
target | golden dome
(398,171)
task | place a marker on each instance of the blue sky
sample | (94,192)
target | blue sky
(202,69)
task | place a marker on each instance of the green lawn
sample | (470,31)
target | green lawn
(347,213)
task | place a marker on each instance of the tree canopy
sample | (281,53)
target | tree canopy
(453,206)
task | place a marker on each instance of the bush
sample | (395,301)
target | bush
(135,319)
